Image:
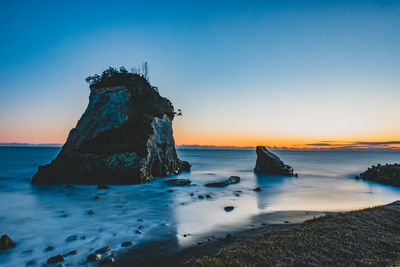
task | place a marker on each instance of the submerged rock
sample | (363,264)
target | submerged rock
(103,250)
(102,186)
(386,174)
(267,162)
(124,136)
(230,180)
(6,242)
(257,189)
(72,252)
(178,182)
(49,248)
(127,244)
(93,257)
(106,261)
(228,208)
(55,259)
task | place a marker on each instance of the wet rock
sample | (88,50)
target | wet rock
(96,197)
(103,250)
(269,163)
(184,166)
(185,235)
(91,212)
(49,248)
(69,186)
(178,182)
(72,252)
(55,259)
(6,242)
(208,196)
(127,244)
(71,238)
(229,208)
(230,180)
(32,262)
(199,242)
(93,257)
(286,222)
(107,261)
(257,189)
(103,186)
(386,174)
(141,227)
(237,193)
(170,191)
(138,231)
(200,197)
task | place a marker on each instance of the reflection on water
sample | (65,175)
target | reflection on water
(40,216)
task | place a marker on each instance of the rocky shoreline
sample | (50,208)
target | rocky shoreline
(356,238)
(386,174)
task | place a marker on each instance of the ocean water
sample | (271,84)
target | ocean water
(36,217)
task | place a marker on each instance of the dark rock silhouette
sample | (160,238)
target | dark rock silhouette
(124,136)
(178,182)
(6,242)
(230,180)
(386,174)
(267,162)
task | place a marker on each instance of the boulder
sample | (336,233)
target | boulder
(93,257)
(178,182)
(124,136)
(55,259)
(6,242)
(106,261)
(386,174)
(269,163)
(230,180)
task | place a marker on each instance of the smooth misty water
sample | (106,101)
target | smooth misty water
(40,216)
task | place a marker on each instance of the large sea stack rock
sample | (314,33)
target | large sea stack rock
(267,162)
(386,174)
(123,137)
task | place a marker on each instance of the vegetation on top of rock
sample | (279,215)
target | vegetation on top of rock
(114,77)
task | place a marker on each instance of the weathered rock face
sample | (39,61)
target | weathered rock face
(124,137)
(386,174)
(267,162)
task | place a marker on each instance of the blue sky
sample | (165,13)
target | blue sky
(244,73)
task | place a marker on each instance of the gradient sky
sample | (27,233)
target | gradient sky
(278,73)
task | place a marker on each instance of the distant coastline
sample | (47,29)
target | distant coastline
(343,148)
(28,145)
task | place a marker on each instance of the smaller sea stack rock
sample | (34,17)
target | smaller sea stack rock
(267,162)
(386,174)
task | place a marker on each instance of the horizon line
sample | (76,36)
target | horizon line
(372,147)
